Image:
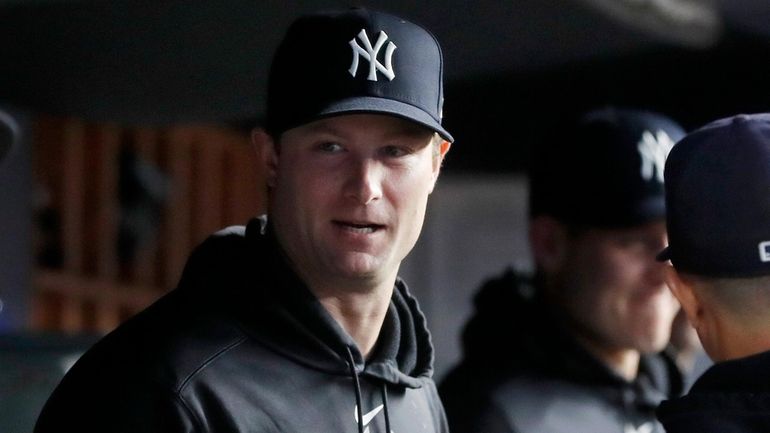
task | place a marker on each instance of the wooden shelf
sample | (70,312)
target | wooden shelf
(214,181)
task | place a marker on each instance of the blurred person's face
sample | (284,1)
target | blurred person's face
(349,195)
(613,289)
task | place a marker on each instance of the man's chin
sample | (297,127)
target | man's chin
(652,344)
(359,266)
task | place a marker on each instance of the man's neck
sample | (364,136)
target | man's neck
(361,314)
(740,339)
(624,362)
(358,305)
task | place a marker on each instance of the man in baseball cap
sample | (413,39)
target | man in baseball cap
(718,197)
(298,322)
(585,333)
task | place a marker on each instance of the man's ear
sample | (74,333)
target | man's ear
(443,148)
(267,154)
(688,297)
(548,240)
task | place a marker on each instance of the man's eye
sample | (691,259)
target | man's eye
(330,147)
(637,244)
(395,151)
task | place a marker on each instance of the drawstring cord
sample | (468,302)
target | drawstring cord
(359,410)
(385,404)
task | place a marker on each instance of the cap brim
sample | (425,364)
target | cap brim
(664,255)
(369,104)
(649,209)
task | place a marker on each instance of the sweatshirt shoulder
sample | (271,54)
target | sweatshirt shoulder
(167,343)
(183,330)
(131,379)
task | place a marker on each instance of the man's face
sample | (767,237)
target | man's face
(614,290)
(349,195)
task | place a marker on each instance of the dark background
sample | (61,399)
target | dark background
(514,68)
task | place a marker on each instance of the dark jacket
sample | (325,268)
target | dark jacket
(730,397)
(549,383)
(243,346)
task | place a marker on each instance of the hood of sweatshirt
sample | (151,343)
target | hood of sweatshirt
(242,272)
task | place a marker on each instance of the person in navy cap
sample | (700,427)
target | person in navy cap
(575,349)
(298,321)
(718,198)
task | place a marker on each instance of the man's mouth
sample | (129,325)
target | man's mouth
(360,228)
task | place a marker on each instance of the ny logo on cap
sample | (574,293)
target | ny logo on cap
(654,150)
(370,54)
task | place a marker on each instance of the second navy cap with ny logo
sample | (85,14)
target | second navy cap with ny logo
(355,61)
(604,169)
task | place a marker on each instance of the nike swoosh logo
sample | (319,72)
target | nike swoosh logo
(647,427)
(368,416)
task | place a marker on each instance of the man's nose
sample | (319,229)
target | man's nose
(364,184)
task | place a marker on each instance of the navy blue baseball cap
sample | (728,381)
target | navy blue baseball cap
(718,198)
(355,61)
(605,169)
